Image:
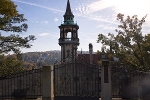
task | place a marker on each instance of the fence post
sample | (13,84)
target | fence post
(105,78)
(47,80)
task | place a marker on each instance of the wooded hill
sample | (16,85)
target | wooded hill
(38,59)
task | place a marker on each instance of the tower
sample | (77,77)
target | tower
(68,40)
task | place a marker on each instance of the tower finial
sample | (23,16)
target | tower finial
(68,10)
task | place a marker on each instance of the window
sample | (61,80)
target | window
(69,35)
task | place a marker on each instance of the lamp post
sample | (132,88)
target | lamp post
(105,77)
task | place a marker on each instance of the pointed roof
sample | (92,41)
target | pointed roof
(68,10)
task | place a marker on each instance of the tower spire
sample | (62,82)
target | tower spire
(68,10)
(68,16)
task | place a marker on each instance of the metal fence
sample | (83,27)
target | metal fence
(130,84)
(76,80)
(26,84)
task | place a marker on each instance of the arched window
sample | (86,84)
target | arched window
(69,35)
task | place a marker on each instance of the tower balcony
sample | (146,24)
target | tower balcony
(68,41)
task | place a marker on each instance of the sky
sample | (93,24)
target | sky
(92,16)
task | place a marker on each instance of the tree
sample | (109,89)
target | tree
(7,11)
(29,66)
(12,21)
(9,65)
(129,45)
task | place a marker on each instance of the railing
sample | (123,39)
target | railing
(65,40)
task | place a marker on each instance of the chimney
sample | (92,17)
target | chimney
(91,52)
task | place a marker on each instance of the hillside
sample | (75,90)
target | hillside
(38,59)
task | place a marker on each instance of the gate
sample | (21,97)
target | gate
(76,81)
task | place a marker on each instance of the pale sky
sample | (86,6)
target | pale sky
(92,16)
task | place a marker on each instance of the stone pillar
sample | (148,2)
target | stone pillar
(105,78)
(47,85)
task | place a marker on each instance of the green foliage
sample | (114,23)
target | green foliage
(14,24)
(9,65)
(129,45)
(14,43)
(7,11)
(12,21)
(28,65)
